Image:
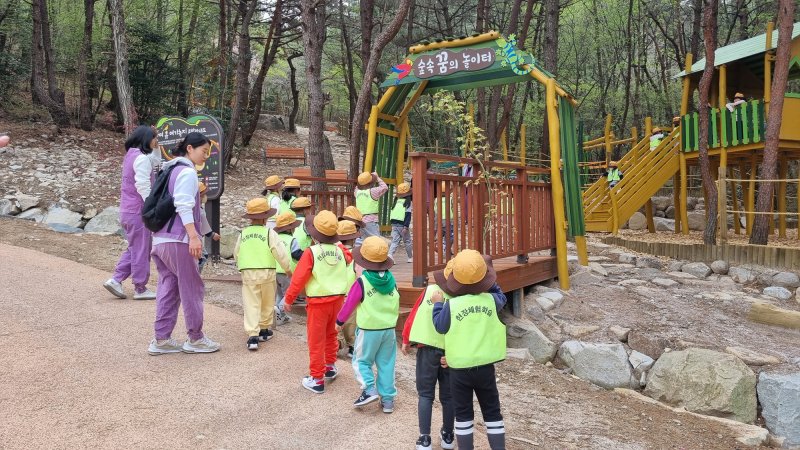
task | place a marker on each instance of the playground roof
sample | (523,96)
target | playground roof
(755,46)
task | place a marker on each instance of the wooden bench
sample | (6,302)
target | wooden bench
(300,172)
(285,153)
(337,177)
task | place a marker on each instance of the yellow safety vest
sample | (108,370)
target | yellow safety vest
(422,329)
(447,213)
(613,175)
(476,336)
(365,203)
(254,251)
(329,274)
(398,211)
(287,242)
(377,311)
(303,239)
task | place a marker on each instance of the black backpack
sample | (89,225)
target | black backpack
(159,209)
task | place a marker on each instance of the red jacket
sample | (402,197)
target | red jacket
(302,273)
(410,320)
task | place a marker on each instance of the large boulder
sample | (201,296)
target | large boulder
(661,203)
(705,382)
(697,221)
(227,241)
(663,224)
(26,202)
(781,293)
(35,214)
(271,122)
(638,221)
(720,267)
(788,280)
(669,213)
(779,395)
(649,262)
(107,222)
(698,269)
(605,365)
(58,214)
(742,275)
(524,334)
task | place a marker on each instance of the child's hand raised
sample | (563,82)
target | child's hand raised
(437,297)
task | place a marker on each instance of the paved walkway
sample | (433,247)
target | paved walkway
(74,372)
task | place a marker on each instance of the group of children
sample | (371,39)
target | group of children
(349,289)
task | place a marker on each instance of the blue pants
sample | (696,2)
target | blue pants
(378,348)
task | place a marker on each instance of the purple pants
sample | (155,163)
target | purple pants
(179,283)
(135,260)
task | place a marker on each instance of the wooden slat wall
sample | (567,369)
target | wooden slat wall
(779,257)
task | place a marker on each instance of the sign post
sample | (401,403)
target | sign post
(171,131)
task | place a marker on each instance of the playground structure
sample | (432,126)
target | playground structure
(736,143)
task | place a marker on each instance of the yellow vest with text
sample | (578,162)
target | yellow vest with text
(254,251)
(329,274)
(476,336)
(422,329)
(365,203)
(303,239)
(398,211)
(377,311)
(287,242)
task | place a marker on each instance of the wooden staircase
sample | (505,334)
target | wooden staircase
(644,173)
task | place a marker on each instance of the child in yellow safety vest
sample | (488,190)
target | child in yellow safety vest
(418,331)
(301,206)
(291,190)
(375,296)
(258,252)
(613,174)
(474,340)
(655,138)
(285,226)
(347,233)
(272,192)
(323,272)
(368,196)
(400,218)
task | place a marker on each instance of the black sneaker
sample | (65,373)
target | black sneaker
(365,398)
(350,351)
(448,440)
(424,442)
(265,335)
(331,373)
(252,343)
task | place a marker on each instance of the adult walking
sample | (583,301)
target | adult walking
(176,249)
(138,169)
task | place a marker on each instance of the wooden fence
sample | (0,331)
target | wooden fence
(336,198)
(452,212)
(762,255)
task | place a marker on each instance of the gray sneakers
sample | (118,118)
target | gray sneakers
(202,345)
(115,287)
(146,295)
(164,346)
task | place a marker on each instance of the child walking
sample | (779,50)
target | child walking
(368,196)
(258,252)
(323,272)
(352,214)
(291,189)
(272,188)
(375,296)
(285,225)
(300,207)
(348,233)
(475,339)
(400,218)
(419,331)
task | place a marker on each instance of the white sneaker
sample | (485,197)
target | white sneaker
(146,295)
(115,287)
(281,317)
(410,260)
(202,345)
(163,347)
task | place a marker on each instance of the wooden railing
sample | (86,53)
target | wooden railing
(336,198)
(450,213)
(745,125)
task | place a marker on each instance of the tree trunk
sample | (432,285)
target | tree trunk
(270,50)
(780,75)
(185,43)
(505,119)
(550,59)
(124,93)
(49,57)
(295,92)
(40,93)
(367,8)
(246,9)
(697,14)
(222,63)
(480,27)
(496,125)
(710,37)
(85,108)
(364,95)
(314,35)
(349,72)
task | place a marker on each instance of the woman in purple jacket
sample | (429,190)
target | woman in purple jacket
(176,249)
(138,172)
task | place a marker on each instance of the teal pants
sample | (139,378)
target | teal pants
(376,348)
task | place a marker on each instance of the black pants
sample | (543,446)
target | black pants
(429,372)
(481,381)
